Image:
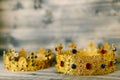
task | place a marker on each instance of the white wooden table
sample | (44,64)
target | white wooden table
(52,74)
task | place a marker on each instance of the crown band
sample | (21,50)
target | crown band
(21,61)
(91,61)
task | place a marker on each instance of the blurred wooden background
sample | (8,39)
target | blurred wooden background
(32,24)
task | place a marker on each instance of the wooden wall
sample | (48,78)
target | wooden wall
(31,24)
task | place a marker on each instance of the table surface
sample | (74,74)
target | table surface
(52,74)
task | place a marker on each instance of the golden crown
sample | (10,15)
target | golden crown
(90,61)
(21,61)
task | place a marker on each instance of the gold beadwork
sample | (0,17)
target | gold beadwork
(86,61)
(91,45)
(72,45)
(107,46)
(21,61)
